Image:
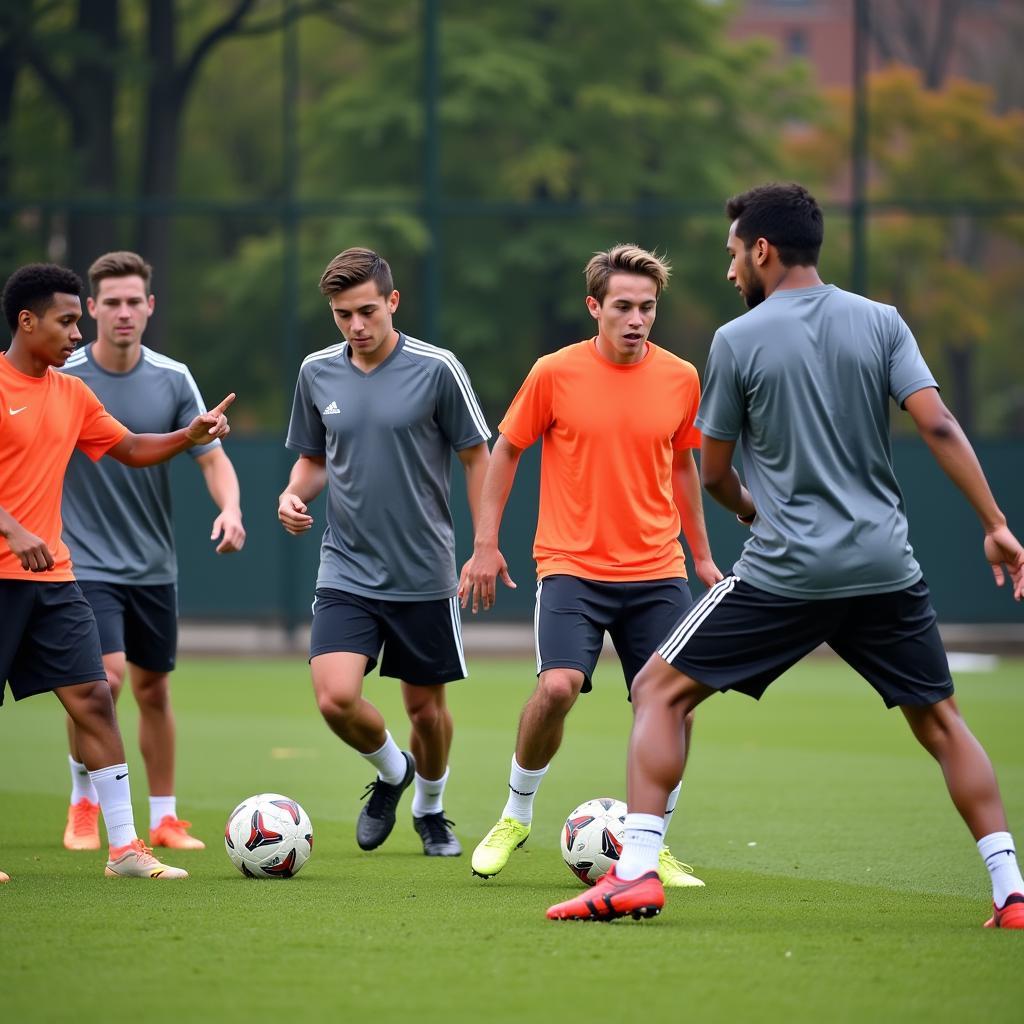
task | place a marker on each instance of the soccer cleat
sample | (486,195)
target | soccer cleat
(377,818)
(674,874)
(136,860)
(173,833)
(1010,914)
(4,877)
(82,831)
(611,898)
(438,838)
(493,851)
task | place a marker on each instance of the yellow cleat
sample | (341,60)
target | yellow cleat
(674,874)
(82,831)
(494,850)
(173,833)
(136,860)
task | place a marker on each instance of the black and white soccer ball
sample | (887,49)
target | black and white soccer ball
(268,836)
(592,837)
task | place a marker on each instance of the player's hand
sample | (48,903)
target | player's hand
(479,576)
(707,572)
(30,550)
(1005,555)
(211,425)
(228,528)
(293,514)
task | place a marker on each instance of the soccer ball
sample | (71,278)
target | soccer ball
(268,836)
(592,838)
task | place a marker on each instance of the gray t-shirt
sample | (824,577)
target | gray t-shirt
(804,382)
(387,436)
(117,520)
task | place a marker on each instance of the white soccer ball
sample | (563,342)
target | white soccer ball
(592,837)
(268,836)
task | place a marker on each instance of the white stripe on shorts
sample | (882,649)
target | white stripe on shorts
(453,607)
(677,639)
(536,625)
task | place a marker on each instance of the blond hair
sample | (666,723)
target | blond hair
(624,258)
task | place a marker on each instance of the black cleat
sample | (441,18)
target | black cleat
(438,838)
(377,818)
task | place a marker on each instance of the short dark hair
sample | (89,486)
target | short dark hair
(787,215)
(119,264)
(33,287)
(357,266)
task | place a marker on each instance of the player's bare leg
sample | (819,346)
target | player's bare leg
(430,742)
(91,708)
(82,831)
(338,687)
(972,785)
(541,727)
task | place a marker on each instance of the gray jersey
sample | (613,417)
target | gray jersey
(804,382)
(387,436)
(117,520)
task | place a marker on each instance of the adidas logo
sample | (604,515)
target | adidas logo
(332,410)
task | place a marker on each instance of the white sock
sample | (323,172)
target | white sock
(522,788)
(642,842)
(428,796)
(160,807)
(115,800)
(389,761)
(1000,857)
(670,806)
(81,785)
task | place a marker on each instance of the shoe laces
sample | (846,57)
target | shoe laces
(176,823)
(666,859)
(142,851)
(83,815)
(383,797)
(438,826)
(502,832)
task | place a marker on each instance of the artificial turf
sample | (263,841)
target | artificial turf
(841,885)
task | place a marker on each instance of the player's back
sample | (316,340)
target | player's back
(814,370)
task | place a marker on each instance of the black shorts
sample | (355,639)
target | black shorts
(737,637)
(422,640)
(141,621)
(573,615)
(48,638)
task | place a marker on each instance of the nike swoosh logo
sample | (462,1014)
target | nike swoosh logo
(14,412)
(120,777)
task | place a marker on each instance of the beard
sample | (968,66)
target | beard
(753,291)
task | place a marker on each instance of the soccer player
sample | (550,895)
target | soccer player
(117,524)
(618,477)
(375,420)
(49,640)
(804,381)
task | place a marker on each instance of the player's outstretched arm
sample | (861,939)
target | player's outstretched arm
(953,452)
(687,496)
(29,549)
(148,449)
(308,478)
(222,483)
(479,576)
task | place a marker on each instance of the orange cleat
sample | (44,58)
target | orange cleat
(1010,915)
(82,831)
(136,860)
(611,898)
(173,833)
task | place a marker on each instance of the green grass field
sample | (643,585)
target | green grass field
(841,886)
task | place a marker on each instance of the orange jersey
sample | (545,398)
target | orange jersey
(42,420)
(609,430)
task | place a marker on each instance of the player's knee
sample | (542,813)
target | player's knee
(154,696)
(559,689)
(426,716)
(336,706)
(653,686)
(92,704)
